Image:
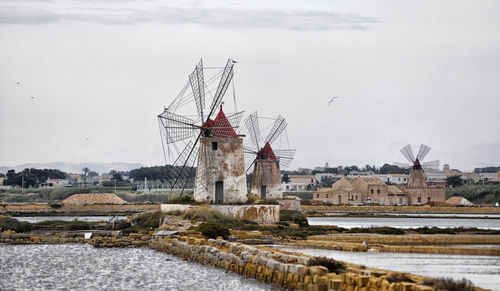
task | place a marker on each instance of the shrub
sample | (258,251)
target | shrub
(331,264)
(294,216)
(379,230)
(206,214)
(449,284)
(213,230)
(148,219)
(399,277)
(122,224)
(8,223)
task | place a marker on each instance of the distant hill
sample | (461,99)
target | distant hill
(75,167)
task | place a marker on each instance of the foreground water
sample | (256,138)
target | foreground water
(405,222)
(35,219)
(471,215)
(483,271)
(83,267)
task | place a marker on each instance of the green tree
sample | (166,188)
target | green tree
(285,178)
(85,172)
(117,177)
(454,181)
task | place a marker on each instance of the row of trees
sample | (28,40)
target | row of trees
(487,170)
(32,177)
(158,172)
(385,169)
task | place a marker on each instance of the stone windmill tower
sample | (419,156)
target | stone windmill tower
(417,177)
(191,134)
(266,161)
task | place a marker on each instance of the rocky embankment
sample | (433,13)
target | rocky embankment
(101,239)
(44,209)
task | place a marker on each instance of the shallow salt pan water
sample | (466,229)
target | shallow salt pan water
(483,271)
(83,267)
(405,222)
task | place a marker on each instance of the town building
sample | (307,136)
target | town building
(372,190)
(50,183)
(308,180)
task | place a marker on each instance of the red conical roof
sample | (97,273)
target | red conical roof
(267,151)
(220,126)
(416,165)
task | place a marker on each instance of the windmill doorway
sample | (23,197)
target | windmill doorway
(263,190)
(219,192)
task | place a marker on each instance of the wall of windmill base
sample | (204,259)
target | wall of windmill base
(267,173)
(435,193)
(258,213)
(266,214)
(221,160)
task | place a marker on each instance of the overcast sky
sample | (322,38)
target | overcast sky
(85,80)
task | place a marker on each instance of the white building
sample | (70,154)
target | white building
(290,187)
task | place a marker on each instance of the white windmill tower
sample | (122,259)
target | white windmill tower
(192,133)
(417,165)
(266,157)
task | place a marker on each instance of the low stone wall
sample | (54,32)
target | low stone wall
(27,209)
(257,213)
(98,240)
(293,272)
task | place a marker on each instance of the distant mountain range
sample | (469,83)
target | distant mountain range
(478,156)
(75,167)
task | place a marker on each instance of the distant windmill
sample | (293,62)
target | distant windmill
(417,175)
(418,161)
(266,161)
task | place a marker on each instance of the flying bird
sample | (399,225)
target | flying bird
(18,83)
(331,100)
(234,61)
(32,97)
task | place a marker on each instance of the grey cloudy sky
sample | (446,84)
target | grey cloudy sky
(100,71)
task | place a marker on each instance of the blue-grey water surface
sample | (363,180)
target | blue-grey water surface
(405,222)
(483,271)
(83,267)
(35,219)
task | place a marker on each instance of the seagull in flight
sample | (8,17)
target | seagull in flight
(331,100)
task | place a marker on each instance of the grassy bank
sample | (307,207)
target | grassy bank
(477,194)
(58,194)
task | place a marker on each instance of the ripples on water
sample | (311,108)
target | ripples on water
(83,267)
(483,271)
(35,219)
(405,222)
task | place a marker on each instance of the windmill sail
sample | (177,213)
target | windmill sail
(252,125)
(198,86)
(181,170)
(278,127)
(227,76)
(422,152)
(408,153)
(431,165)
(176,127)
(285,157)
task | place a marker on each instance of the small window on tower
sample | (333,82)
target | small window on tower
(214,145)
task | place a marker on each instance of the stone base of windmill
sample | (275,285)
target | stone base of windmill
(265,214)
